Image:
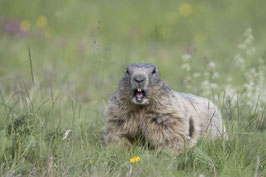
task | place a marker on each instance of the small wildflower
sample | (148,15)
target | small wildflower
(12,28)
(185,9)
(230,91)
(251,51)
(212,64)
(238,59)
(249,85)
(186,57)
(248,32)
(25,26)
(135,159)
(196,75)
(186,67)
(248,39)
(41,21)
(205,84)
(248,35)
(242,46)
(213,85)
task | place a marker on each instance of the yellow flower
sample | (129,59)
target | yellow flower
(41,21)
(24,26)
(135,159)
(185,9)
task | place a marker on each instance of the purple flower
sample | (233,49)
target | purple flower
(12,28)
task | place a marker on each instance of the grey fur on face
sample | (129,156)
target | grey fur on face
(139,78)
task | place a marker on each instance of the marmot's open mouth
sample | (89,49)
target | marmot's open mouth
(139,94)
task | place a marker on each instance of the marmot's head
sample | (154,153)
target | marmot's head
(141,83)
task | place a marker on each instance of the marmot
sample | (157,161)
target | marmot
(144,106)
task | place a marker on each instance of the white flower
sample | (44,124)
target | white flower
(248,39)
(230,90)
(205,84)
(211,64)
(196,75)
(186,57)
(249,85)
(242,46)
(251,51)
(213,85)
(238,59)
(248,33)
(208,84)
(186,67)
(252,74)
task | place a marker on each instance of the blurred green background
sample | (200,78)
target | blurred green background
(82,35)
(89,43)
(80,49)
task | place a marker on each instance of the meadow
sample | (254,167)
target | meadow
(60,61)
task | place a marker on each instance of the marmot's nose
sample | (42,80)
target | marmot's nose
(139,78)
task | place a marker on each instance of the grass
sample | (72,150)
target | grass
(60,61)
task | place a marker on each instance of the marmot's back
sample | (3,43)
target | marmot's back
(206,116)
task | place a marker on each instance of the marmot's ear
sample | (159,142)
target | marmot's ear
(154,70)
(157,70)
(128,69)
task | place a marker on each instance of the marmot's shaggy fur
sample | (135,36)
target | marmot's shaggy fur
(144,106)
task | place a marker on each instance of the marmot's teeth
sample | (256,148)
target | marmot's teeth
(139,99)
(139,89)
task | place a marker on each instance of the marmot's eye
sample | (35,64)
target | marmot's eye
(153,71)
(127,71)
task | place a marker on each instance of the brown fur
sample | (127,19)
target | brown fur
(170,120)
